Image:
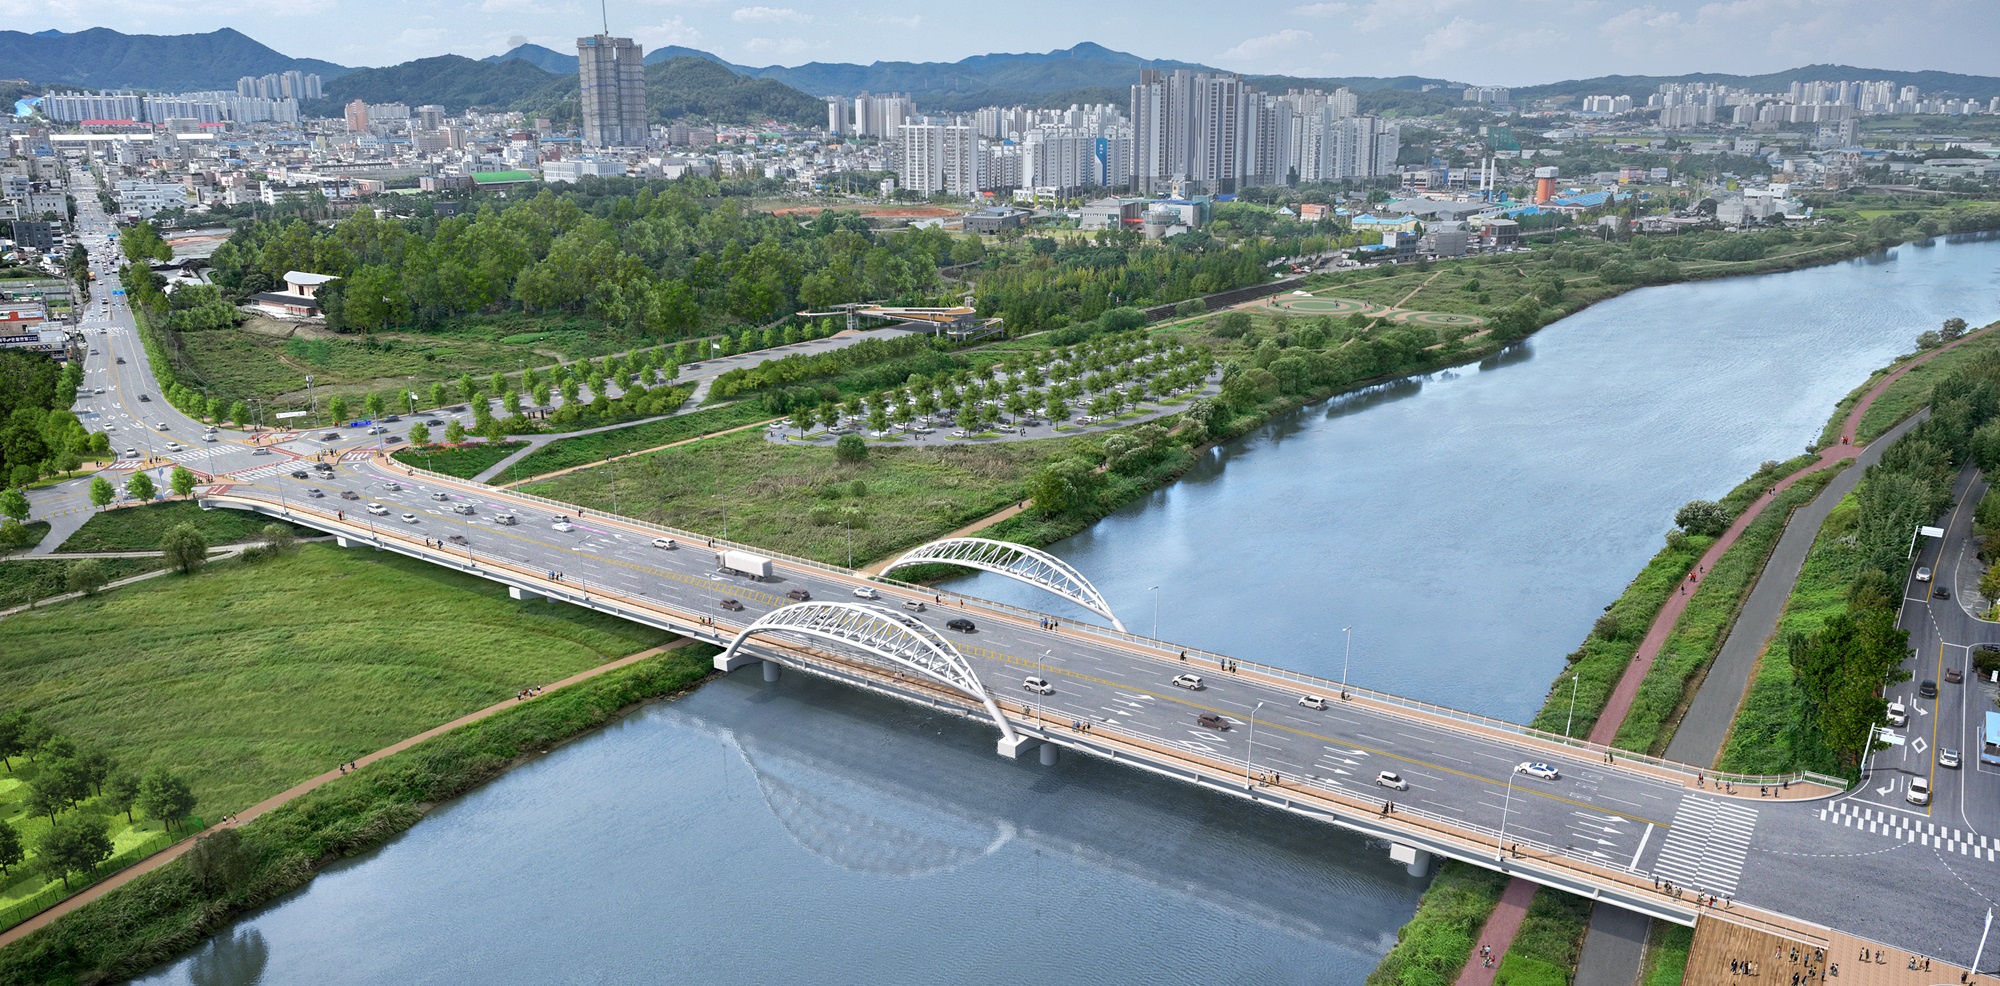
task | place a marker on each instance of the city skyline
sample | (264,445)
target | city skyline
(1538,41)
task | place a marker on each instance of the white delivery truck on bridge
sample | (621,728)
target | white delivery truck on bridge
(733,562)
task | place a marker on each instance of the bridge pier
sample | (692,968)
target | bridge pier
(1416,862)
(524,595)
(341,540)
(730,660)
(1048,754)
(770,671)
(1013,746)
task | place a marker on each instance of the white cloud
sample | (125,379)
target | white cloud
(1321,9)
(776,46)
(1269,45)
(672,31)
(767,15)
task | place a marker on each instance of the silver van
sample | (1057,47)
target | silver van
(507,519)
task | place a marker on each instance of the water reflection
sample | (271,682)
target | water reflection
(234,958)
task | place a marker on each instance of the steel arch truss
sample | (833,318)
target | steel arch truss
(876,632)
(1015,561)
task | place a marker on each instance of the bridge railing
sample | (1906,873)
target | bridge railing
(1307,682)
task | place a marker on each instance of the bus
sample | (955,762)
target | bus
(1989,739)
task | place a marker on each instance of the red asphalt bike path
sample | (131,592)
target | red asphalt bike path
(1505,921)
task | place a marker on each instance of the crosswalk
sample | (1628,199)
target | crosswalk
(1912,829)
(1706,845)
(261,472)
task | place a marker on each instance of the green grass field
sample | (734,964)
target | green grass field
(30,579)
(794,498)
(139,528)
(465,462)
(568,453)
(36,531)
(250,677)
(1667,955)
(1549,943)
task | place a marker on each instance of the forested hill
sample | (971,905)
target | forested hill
(451,81)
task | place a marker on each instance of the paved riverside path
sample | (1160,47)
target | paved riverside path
(1620,701)
(272,803)
(1607,953)
(1499,930)
(1699,736)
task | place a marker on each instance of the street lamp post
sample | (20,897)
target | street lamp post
(1251,753)
(1156,611)
(1347,653)
(1567,723)
(1040,696)
(1500,843)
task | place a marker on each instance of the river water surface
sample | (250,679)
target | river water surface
(1469,526)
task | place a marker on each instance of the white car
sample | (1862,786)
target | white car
(208,437)
(1313,702)
(1540,771)
(1039,686)
(667,543)
(1392,780)
(377,509)
(564,526)
(1191,682)
(864,592)
(409,518)
(1923,573)
(1920,792)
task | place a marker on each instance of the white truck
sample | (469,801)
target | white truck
(745,563)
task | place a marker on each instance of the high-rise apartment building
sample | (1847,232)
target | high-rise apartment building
(1213,133)
(357,116)
(612,76)
(939,157)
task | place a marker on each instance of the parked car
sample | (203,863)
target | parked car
(961,625)
(1539,771)
(1191,682)
(1392,780)
(732,605)
(1210,720)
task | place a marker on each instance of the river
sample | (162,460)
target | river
(1469,526)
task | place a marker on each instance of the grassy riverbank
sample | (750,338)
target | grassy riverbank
(1710,615)
(463,461)
(1431,948)
(164,913)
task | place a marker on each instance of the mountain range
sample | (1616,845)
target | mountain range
(533,75)
(101,58)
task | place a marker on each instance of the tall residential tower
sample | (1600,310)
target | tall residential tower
(613,76)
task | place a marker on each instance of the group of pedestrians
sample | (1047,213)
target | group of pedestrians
(1486,957)
(349,766)
(527,693)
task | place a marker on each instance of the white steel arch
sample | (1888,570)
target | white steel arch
(881,634)
(1015,561)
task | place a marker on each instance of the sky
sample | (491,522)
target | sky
(1517,42)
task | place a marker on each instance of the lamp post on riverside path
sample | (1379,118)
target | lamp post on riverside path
(1347,654)
(1251,753)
